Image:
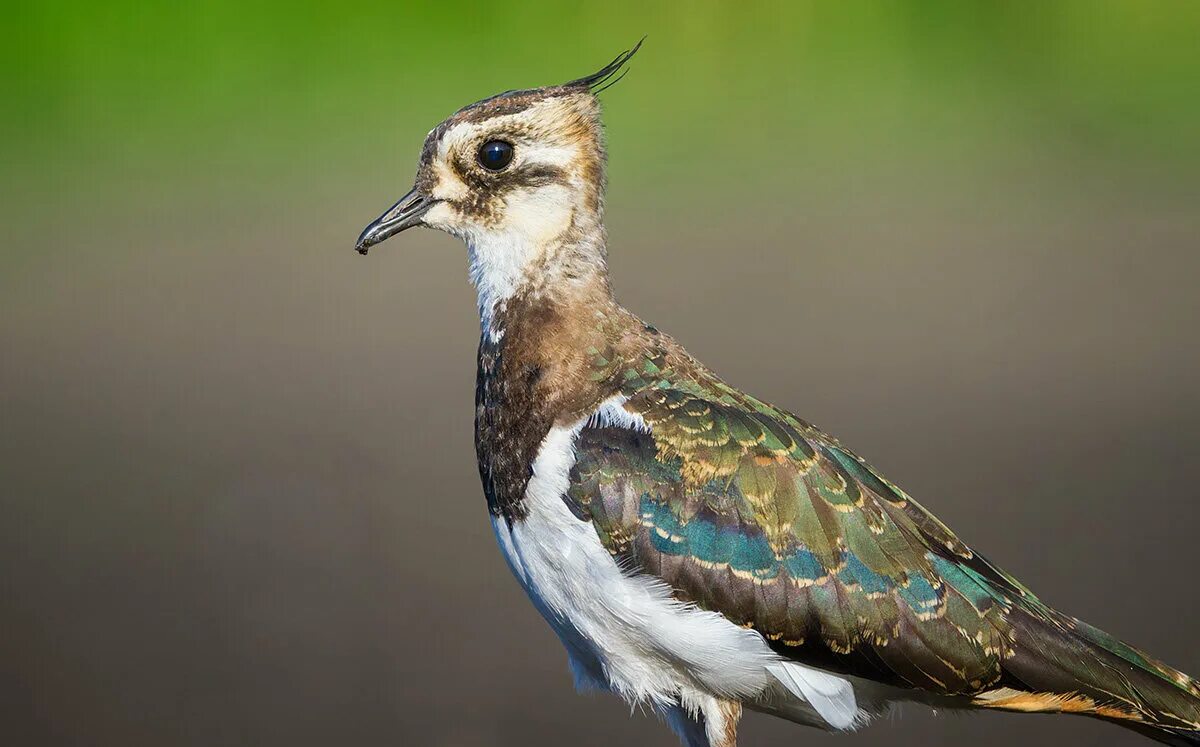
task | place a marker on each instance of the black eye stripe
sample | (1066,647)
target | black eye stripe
(495,155)
(481,204)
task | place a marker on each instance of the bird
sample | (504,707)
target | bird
(698,551)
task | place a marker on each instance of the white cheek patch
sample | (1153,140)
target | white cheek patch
(540,214)
(446,184)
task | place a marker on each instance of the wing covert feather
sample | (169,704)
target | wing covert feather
(746,510)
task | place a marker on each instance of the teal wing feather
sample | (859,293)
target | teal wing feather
(746,510)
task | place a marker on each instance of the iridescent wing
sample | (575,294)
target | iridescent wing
(748,511)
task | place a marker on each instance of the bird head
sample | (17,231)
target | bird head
(517,176)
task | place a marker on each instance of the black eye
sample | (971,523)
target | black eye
(495,155)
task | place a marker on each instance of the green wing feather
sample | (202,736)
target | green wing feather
(746,510)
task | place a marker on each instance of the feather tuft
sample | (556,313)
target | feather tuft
(596,82)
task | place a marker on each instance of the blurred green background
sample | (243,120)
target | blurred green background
(240,502)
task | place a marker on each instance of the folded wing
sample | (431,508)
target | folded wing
(749,511)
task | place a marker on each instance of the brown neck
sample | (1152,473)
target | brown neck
(535,372)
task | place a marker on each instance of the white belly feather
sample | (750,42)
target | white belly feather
(626,632)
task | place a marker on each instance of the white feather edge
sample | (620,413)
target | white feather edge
(830,696)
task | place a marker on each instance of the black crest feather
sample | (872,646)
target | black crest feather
(604,77)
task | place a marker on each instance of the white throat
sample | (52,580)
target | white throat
(547,242)
(505,257)
(497,264)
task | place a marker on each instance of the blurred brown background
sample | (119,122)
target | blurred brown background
(240,504)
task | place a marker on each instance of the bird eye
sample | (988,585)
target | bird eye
(495,155)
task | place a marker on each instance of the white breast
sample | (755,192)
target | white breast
(626,632)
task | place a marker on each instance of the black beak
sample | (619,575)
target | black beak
(406,213)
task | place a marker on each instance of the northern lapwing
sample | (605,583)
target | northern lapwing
(698,550)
